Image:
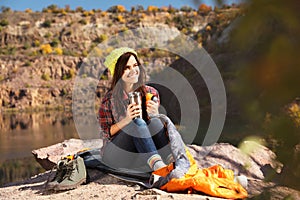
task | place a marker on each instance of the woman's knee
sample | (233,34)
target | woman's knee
(139,122)
(155,126)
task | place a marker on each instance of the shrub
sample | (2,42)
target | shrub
(182,22)
(28,10)
(139,8)
(46,77)
(100,38)
(79,9)
(152,9)
(186,9)
(204,8)
(83,22)
(46,24)
(27,63)
(5,9)
(4,22)
(55,42)
(88,13)
(116,9)
(36,43)
(104,14)
(46,48)
(121,8)
(58,51)
(121,19)
(47,35)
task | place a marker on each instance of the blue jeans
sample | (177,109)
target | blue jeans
(132,146)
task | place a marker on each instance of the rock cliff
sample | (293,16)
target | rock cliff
(41,52)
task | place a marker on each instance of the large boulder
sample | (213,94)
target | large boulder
(47,157)
(252,165)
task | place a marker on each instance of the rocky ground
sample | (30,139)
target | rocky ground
(104,186)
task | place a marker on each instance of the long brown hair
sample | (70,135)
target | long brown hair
(117,84)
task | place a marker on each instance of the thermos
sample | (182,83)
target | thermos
(135,97)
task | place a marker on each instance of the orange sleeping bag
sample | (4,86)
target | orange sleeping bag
(215,181)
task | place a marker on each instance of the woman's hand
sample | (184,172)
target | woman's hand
(152,107)
(133,111)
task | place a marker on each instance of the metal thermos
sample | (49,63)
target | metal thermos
(135,97)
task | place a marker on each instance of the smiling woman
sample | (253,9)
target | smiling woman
(135,137)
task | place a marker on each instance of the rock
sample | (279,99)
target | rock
(231,157)
(47,157)
(223,154)
(104,186)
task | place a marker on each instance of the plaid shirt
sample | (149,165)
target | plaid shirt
(108,114)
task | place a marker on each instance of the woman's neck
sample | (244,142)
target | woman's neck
(128,87)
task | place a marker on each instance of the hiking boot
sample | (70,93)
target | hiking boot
(74,176)
(60,172)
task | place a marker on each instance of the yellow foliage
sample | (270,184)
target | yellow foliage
(36,43)
(58,51)
(143,15)
(63,12)
(92,12)
(97,52)
(204,8)
(28,10)
(152,9)
(46,48)
(121,19)
(88,13)
(294,111)
(121,8)
(104,14)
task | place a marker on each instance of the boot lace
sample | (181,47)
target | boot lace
(70,169)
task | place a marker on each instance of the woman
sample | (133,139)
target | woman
(130,141)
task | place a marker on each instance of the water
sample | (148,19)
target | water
(21,133)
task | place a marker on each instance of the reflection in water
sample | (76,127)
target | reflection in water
(23,132)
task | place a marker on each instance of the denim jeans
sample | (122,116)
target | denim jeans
(135,143)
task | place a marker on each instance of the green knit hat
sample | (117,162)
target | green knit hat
(112,58)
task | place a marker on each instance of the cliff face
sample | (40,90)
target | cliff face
(41,53)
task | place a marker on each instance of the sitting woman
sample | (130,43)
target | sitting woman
(133,137)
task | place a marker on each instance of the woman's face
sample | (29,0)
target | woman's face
(131,72)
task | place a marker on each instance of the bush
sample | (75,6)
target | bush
(186,9)
(46,24)
(121,19)
(46,49)
(55,42)
(117,9)
(100,38)
(204,8)
(46,77)
(28,10)
(152,9)
(83,22)
(79,9)
(58,51)
(4,22)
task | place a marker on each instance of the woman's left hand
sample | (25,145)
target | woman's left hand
(152,107)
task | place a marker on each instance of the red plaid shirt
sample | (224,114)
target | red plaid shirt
(108,114)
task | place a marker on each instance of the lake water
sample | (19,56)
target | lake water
(21,133)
